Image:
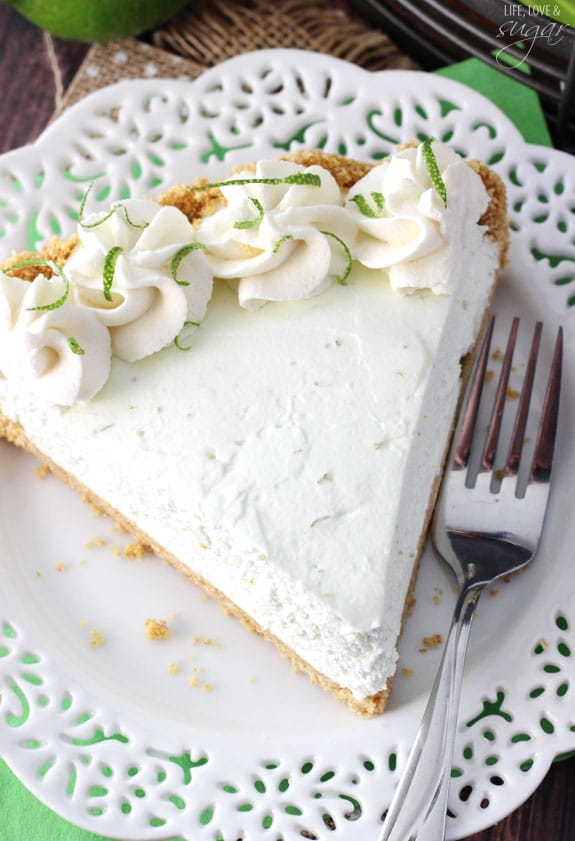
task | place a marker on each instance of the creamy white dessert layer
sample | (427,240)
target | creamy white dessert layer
(289,456)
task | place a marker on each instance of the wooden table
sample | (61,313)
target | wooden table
(27,100)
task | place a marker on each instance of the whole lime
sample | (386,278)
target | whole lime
(96,20)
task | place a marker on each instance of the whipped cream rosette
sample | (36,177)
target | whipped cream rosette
(417,212)
(56,349)
(141,268)
(283,234)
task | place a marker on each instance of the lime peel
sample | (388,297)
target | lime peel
(310,179)
(343,277)
(109,270)
(365,208)
(75,346)
(179,256)
(116,206)
(433,169)
(177,341)
(42,261)
(252,223)
(280,242)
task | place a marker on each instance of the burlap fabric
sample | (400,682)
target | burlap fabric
(209,31)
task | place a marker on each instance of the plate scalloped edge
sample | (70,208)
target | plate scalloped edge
(116,774)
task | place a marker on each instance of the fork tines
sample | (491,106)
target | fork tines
(545,440)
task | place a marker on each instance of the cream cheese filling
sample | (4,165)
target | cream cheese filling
(288,459)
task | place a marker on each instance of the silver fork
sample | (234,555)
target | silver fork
(486,525)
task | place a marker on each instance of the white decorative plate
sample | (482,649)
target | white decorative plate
(114,738)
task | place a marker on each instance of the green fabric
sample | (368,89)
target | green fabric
(516,100)
(22,816)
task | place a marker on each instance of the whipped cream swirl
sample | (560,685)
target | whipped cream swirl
(279,238)
(141,269)
(61,354)
(407,226)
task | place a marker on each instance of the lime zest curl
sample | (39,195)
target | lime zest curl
(342,279)
(131,223)
(116,206)
(365,208)
(310,179)
(433,169)
(110,269)
(43,261)
(89,225)
(75,346)
(280,242)
(179,256)
(177,340)
(246,224)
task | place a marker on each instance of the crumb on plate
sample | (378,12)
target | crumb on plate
(157,629)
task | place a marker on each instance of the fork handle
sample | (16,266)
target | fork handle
(418,808)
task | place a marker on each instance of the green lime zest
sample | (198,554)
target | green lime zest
(365,208)
(109,270)
(42,261)
(179,256)
(116,206)
(343,277)
(310,179)
(120,206)
(280,242)
(89,225)
(177,340)
(89,189)
(252,223)
(75,346)
(433,169)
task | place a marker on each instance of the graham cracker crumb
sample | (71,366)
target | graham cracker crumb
(489,375)
(433,641)
(157,629)
(95,542)
(406,672)
(173,668)
(513,394)
(62,566)
(42,471)
(97,639)
(438,593)
(199,640)
(135,550)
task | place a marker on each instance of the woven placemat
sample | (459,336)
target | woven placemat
(209,31)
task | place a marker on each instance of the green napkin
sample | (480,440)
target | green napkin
(517,101)
(22,816)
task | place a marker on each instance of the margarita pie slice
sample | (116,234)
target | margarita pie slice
(259,377)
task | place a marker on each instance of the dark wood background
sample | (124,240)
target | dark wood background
(27,102)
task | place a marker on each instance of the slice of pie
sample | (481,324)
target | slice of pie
(258,378)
